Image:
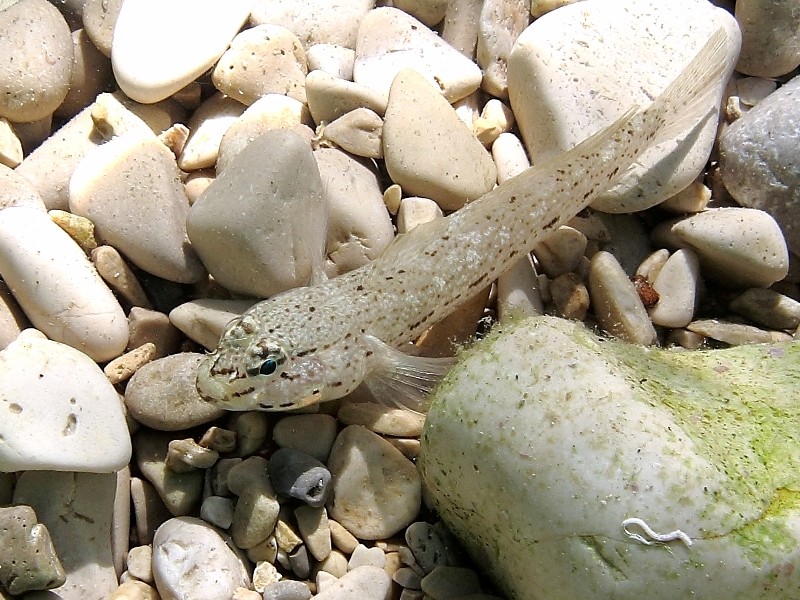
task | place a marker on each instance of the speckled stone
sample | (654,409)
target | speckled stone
(760,159)
(770,37)
(28,560)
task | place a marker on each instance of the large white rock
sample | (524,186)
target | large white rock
(56,285)
(161,45)
(576,69)
(60,412)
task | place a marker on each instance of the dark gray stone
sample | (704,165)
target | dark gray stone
(760,159)
(298,475)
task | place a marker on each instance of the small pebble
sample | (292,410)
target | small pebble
(162,394)
(251,429)
(500,24)
(450,582)
(332,59)
(427,546)
(341,538)
(358,132)
(135,590)
(383,419)
(362,583)
(28,560)
(569,296)
(312,523)
(183,543)
(735,334)
(123,367)
(204,320)
(561,251)
(300,476)
(335,564)
(330,98)
(264,575)
(207,126)
(677,285)
(366,556)
(300,563)
(373,498)
(118,276)
(287,590)
(616,303)
(218,511)
(256,511)
(186,455)
(12,320)
(149,511)
(767,308)
(10,145)
(139,563)
(90,75)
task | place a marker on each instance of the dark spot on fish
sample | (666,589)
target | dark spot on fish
(550,223)
(286,405)
(359,288)
(311,309)
(243,392)
(286,375)
(266,406)
(336,384)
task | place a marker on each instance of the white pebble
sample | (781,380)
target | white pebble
(677,286)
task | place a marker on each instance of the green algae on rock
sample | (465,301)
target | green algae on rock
(573,466)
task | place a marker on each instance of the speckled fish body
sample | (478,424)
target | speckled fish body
(319,343)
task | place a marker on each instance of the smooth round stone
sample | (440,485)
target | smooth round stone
(18,191)
(204,320)
(56,285)
(180,492)
(390,41)
(172,56)
(677,285)
(428,150)
(91,75)
(298,475)
(207,126)
(768,308)
(741,247)
(139,562)
(131,190)
(28,560)
(78,510)
(770,37)
(287,590)
(428,547)
(599,59)
(34,82)
(162,394)
(314,21)
(99,19)
(260,227)
(330,97)
(500,24)
(133,589)
(617,305)
(376,490)
(119,276)
(191,559)
(332,59)
(760,159)
(561,251)
(151,326)
(387,420)
(362,583)
(367,556)
(359,226)
(266,59)
(312,434)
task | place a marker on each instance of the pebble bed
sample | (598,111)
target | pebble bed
(267,143)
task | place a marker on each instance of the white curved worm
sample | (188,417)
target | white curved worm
(661,538)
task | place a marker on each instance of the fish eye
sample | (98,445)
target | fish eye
(268,367)
(266,361)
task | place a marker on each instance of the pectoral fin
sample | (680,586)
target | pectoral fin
(402,379)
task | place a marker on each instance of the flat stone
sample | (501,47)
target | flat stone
(589,61)
(180,546)
(358,132)
(130,188)
(428,547)
(330,97)
(500,24)
(218,511)
(57,287)
(77,509)
(204,320)
(314,21)
(380,418)
(139,563)
(376,490)
(741,247)
(617,305)
(414,211)
(428,150)
(162,394)
(770,37)
(278,221)
(180,492)
(359,226)
(312,434)
(256,512)
(760,161)
(678,287)
(390,41)
(28,560)
(767,308)
(362,583)
(287,590)
(173,56)
(151,326)
(735,334)
(61,413)
(265,59)
(149,511)
(34,83)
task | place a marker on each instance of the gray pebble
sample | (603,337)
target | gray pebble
(450,582)
(760,159)
(312,434)
(296,474)
(767,308)
(287,590)
(427,546)
(300,562)
(28,560)
(770,37)
(162,394)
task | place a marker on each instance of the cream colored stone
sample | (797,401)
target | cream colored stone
(561,251)
(266,59)
(173,56)
(123,367)
(10,146)
(460,26)
(332,59)
(329,97)
(428,150)
(390,41)
(358,132)
(677,285)
(207,126)
(414,211)
(496,119)
(118,276)
(500,24)
(692,199)
(386,420)
(90,76)
(204,320)
(15,190)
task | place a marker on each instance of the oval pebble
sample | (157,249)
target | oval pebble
(312,434)
(162,394)
(767,308)
(56,285)
(130,188)
(376,490)
(677,286)
(377,417)
(61,413)
(362,583)
(173,55)
(770,37)
(207,126)
(35,60)
(183,543)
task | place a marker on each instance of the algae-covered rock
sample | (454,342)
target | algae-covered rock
(559,458)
